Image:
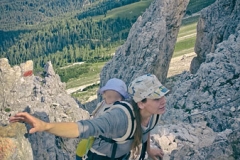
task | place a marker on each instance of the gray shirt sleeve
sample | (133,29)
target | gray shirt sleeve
(111,124)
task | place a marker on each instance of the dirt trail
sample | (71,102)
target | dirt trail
(180,64)
(80,88)
(187,36)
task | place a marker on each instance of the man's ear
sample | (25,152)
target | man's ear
(141,105)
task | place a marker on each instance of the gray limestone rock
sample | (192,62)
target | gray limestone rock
(212,96)
(215,25)
(44,97)
(150,43)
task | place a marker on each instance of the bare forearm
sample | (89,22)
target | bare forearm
(68,129)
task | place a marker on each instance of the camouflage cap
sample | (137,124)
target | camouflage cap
(146,86)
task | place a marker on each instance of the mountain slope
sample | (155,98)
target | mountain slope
(22,13)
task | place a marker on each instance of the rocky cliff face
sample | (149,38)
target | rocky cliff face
(150,43)
(13,143)
(211,96)
(203,116)
(215,25)
(43,96)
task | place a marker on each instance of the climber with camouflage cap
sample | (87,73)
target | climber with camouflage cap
(125,125)
(148,95)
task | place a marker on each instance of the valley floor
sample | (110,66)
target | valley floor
(180,64)
(177,66)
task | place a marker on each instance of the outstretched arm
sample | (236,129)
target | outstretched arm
(68,129)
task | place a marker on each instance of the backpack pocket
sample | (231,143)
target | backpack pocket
(84,145)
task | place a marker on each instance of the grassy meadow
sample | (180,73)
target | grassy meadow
(131,10)
(87,78)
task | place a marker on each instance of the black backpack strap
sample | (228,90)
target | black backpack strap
(156,120)
(114,149)
(114,144)
(143,152)
(144,145)
(154,123)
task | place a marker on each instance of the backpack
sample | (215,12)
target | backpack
(127,108)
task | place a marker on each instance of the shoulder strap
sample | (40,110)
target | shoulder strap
(154,120)
(99,105)
(127,108)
